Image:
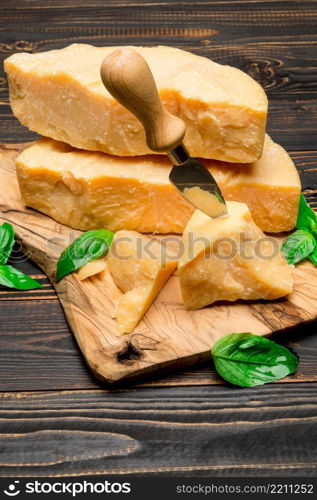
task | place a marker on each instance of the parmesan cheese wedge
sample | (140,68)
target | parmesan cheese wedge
(60,94)
(139,267)
(88,190)
(230,258)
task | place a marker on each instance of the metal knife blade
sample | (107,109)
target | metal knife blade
(194,181)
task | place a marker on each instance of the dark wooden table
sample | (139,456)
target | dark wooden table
(54,417)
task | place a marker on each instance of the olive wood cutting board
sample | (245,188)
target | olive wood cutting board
(168,337)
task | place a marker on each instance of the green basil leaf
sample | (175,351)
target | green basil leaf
(313,256)
(13,278)
(6,242)
(245,359)
(298,246)
(306,218)
(88,246)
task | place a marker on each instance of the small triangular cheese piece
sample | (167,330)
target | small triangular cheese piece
(91,269)
(230,258)
(139,266)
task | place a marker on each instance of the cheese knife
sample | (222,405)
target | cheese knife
(128,78)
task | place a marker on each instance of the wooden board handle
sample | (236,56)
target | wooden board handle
(129,79)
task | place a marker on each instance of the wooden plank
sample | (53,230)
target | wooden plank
(38,352)
(168,336)
(208,431)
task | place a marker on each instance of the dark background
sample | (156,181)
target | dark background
(54,417)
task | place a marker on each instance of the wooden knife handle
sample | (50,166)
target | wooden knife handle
(129,79)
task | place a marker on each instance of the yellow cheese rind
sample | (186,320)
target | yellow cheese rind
(139,267)
(270,187)
(59,94)
(230,258)
(89,190)
(91,268)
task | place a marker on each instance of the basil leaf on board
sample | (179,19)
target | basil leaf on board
(313,256)
(245,359)
(88,246)
(6,242)
(306,218)
(13,278)
(298,246)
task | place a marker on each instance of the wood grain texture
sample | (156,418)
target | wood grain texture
(168,336)
(206,431)
(275,42)
(38,352)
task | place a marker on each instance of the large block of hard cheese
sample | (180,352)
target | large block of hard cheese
(59,94)
(230,258)
(89,190)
